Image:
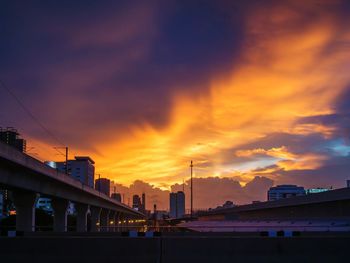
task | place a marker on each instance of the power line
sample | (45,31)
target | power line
(48,132)
(43,150)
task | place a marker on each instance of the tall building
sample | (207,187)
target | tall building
(117,197)
(10,136)
(284,191)
(173,206)
(82,169)
(177,204)
(103,185)
(136,202)
(180,202)
(113,187)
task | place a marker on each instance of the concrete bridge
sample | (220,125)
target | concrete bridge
(27,177)
(334,204)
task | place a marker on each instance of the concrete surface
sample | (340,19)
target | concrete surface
(173,249)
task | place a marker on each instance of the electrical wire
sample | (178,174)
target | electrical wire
(31,115)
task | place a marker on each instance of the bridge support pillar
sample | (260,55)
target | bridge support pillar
(95,218)
(111,221)
(117,220)
(123,222)
(82,211)
(104,220)
(60,207)
(126,226)
(131,223)
(25,210)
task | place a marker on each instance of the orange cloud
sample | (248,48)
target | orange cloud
(279,152)
(283,76)
(287,70)
(303,162)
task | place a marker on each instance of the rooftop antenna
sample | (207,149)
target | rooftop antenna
(191,166)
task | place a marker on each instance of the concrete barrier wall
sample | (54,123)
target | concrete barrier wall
(336,209)
(173,249)
(329,204)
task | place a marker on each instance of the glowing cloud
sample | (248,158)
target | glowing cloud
(290,69)
(286,72)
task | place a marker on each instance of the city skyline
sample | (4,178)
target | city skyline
(243,90)
(174,131)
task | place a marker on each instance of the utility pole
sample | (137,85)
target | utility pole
(191,188)
(66,155)
(66,160)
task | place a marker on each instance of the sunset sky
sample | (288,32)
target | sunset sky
(242,88)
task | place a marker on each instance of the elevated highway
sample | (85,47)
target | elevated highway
(28,177)
(334,204)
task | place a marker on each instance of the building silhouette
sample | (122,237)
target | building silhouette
(82,169)
(173,206)
(177,204)
(284,191)
(103,185)
(117,197)
(10,136)
(136,202)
